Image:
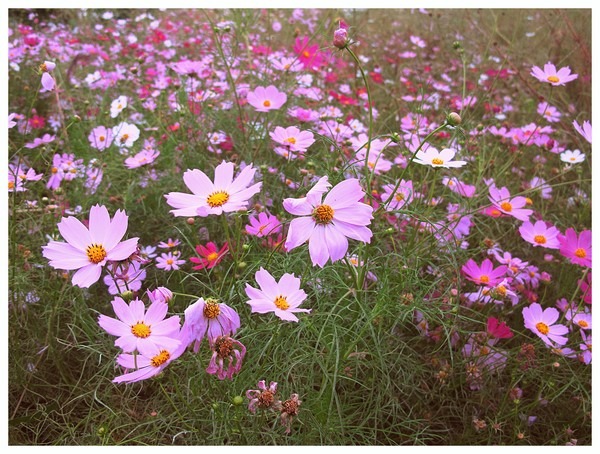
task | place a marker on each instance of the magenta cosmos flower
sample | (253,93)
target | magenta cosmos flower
(282,298)
(541,322)
(552,76)
(485,274)
(210,255)
(209,318)
(263,225)
(225,195)
(328,224)
(141,330)
(502,201)
(577,249)
(540,235)
(265,99)
(88,250)
(435,158)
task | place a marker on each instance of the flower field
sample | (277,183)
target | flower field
(299,227)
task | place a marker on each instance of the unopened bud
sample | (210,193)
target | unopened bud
(190,221)
(340,38)
(453,119)
(238,400)
(127,295)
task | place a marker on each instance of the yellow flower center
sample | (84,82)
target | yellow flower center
(399,197)
(169,261)
(290,140)
(542,328)
(484,350)
(281,303)
(323,214)
(267,103)
(212,256)
(528,201)
(437,161)
(580,252)
(501,290)
(217,199)
(11,185)
(573,158)
(43,68)
(124,138)
(506,206)
(211,310)
(484,278)
(96,253)
(54,170)
(306,54)
(101,138)
(553,79)
(160,359)
(583,323)
(140,329)
(539,239)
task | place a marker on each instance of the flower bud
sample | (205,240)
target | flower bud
(453,119)
(238,400)
(127,295)
(340,38)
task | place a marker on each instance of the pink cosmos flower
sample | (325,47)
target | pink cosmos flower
(263,225)
(586,348)
(539,234)
(292,138)
(148,364)
(209,318)
(210,255)
(310,56)
(459,187)
(125,134)
(328,224)
(228,355)
(127,276)
(45,139)
(225,195)
(502,201)
(282,298)
(485,274)
(585,130)
(541,322)
(137,329)
(551,113)
(88,250)
(577,249)
(266,99)
(48,83)
(169,261)
(436,158)
(263,397)
(142,158)
(100,138)
(169,244)
(552,76)
(401,198)
(161,294)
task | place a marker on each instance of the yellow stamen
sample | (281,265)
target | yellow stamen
(553,79)
(542,328)
(582,323)
(140,329)
(211,310)
(281,303)
(96,253)
(267,103)
(160,359)
(484,278)
(212,256)
(323,214)
(506,206)
(290,140)
(437,161)
(580,252)
(217,199)
(539,239)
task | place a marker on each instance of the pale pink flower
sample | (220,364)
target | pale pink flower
(436,158)
(585,130)
(551,75)
(539,234)
(169,261)
(502,200)
(100,138)
(142,158)
(266,99)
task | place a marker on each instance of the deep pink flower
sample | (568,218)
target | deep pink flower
(266,99)
(209,318)
(328,224)
(88,250)
(541,322)
(225,195)
(485,274)
(310,56)
(501,200)
(137,329)
(210,255)
(552,76)
(498,329)
(539,234)
(263,225)
(282,298)
(577,249)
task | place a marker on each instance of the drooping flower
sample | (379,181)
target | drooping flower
(485,274)
(541,322)
(502,201)
(572,156)
(88,250)
(539,234)
(578,249)
(48,83)
(209,318)
(226,360)
(225,195)
(140,330)
(210,255)
(435,158)
(266,99)
(289,410)
(327,224)
(263,398)
(263,225)
(552,76)
(282,298)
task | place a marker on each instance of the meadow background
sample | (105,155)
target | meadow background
(398,346)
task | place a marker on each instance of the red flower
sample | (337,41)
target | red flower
(210,255)
(498,329)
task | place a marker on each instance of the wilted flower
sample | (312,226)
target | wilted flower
(228,355)
(209,318)
(289,410)
(262,398)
